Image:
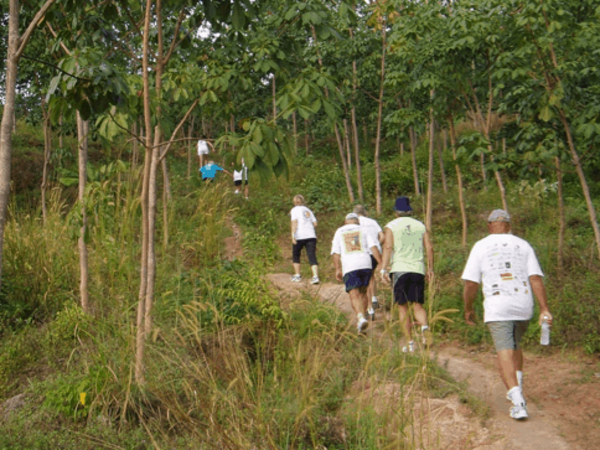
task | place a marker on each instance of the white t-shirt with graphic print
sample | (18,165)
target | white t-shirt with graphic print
(353,244)
(504,263)
(306,219)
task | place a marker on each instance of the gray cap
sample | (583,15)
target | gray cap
(351,216)
(499,215)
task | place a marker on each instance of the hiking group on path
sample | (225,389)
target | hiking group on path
(210,169)
(504,265)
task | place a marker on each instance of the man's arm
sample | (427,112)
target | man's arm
(337,263)
(294,228)
(376,254)
(381,237)
(469,295)
(539,291)
(388,247)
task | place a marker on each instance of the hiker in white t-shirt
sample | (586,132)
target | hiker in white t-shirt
(304,235)
(352,249)
(202,151)
(408,247)
(376,232)
(240,179)
(510,273)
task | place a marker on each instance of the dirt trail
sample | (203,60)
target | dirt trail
(546,426)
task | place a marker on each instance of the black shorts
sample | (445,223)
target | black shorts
(358,279)
(408,287)
(237,182)
(311,251)
(373,262)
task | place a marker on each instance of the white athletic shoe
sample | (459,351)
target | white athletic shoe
(427,336)
(519,412)
(371,313)
(363,324)
(315,280)
(296,279)
(410,348)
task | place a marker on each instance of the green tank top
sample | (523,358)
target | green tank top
(407,255)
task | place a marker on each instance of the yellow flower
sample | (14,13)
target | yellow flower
(82,398)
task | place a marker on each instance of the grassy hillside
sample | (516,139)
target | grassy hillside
(229,364)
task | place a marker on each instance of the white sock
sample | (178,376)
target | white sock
(424,327)
(520,379)
(360,316)
(374,299)
(516,396)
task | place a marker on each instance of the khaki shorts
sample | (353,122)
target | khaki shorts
(507,334)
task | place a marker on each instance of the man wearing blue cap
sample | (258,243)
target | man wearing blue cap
(406,243)
(351,249)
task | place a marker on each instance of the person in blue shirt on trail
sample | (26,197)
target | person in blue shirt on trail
(210,170)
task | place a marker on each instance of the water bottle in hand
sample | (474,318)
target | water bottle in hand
(545,340)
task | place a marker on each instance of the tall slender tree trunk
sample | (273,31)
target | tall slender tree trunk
(82,145)
(560,248)
(429,208)
(306,136)
(347,144)
(60,133)
(144,269)
(16,46)
(274,98)
(442,170)
(47,148)
(189,145)
(582,180)
(359,181)
(295,129)
(461,197)
(380,117)
(413,153)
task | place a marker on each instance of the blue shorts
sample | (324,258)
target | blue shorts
(507,334)
(358,279)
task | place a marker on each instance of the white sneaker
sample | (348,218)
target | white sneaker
(363,324)
(296,279)
(315,280)
(427,336)
(519,412)
(410,348)
(371,313)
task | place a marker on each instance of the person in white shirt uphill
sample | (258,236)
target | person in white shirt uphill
(304,235)
(510,273)
(351,249)
(374,229)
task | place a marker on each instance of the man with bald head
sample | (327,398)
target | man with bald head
(509,272)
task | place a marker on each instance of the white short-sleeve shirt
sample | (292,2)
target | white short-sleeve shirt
(202,147)
(504,263)
(372,228)
(306,220)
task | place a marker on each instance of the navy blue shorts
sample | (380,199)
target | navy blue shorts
(358,279)
(408,287)
(373,263)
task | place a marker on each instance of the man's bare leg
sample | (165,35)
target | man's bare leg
(404,320)
(358,301)
(296,268)
(420,314)
(507,367)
